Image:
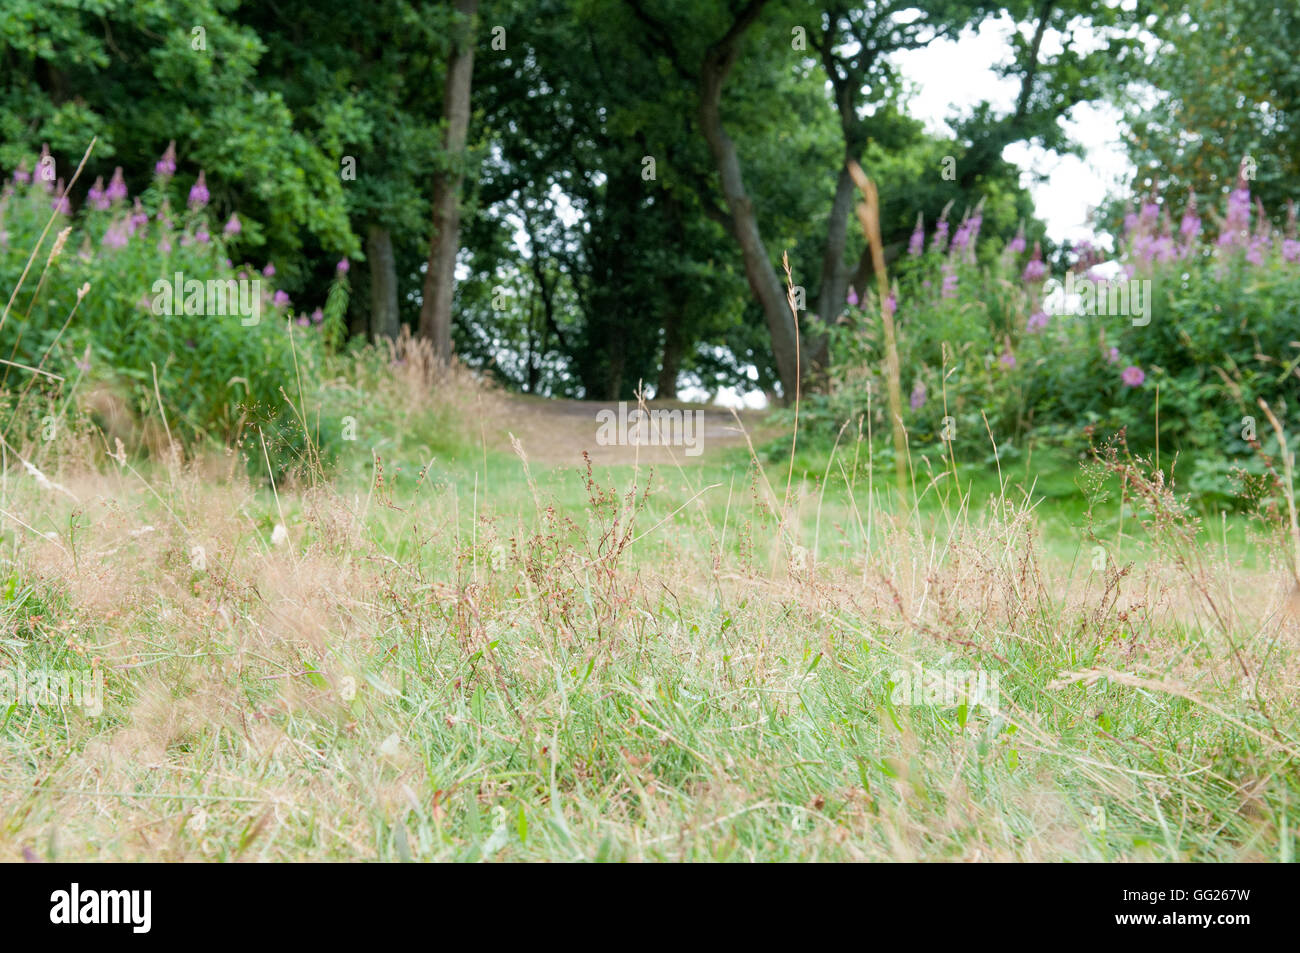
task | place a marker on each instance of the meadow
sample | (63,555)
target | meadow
(446,650)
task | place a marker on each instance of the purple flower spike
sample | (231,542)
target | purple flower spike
(344,266)
(852,298)
(269,270)
(116,190)
(233,227)
(166,166)
(1037,321)
(281,299)
(1132,376)
(918,395)
(917,243)
(1035,270)
(96,196)
(199,193)
(1018,243)
(317,316)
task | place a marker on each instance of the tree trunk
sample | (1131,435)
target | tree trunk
(763,280)
(670,366)
(835,273)
(384,319)
(440,278)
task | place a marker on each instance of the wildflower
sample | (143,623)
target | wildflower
(117,235)
(918,395)
(139,217)
(852,298)
(165,246)
(21,175)
(96,196)
(1008,359)
(967,232)
(1037,321)
(940,240)
(317,316)
(1112,357)
(281,299)
(199,193)
(269,270)
(1236,224)
(61,203)
(116,190)
(1017,244)
(202,236)
(917,243)
(343,266)
(302,318)
(1035,270)
(1132,376)
(949,287)
(1190,226)
(233,226)
(166,166)
(1291,250)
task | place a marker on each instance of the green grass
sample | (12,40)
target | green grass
(488,663)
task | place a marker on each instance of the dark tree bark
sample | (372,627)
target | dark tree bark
(440,278)
(762,277)
(384,319)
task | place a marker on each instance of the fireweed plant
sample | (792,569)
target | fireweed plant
(225,367)
(1210,323)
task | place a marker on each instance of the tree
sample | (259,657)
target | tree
(440,279)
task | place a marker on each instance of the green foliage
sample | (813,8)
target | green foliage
(220,372)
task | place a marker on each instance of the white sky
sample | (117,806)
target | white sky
(951,77)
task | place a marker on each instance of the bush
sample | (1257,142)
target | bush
(219,374)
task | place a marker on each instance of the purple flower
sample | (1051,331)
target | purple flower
(1112,356)
(117,234)
(1291,250)
(918,395)
(165,245)
(116,190)
(917,243)
(281,299)
(1190,226)
(21,175)
(96,196)
(139,217)
(949,287)
(199,193)
(1236,224)
(852,298)
(269,270)
(1037,321)
(1035,270)
(302,318)
(1017,244)
(233,226)
(967,232)
(1008,359)
(1132,376)
(891,304)
(343,266)
(940,240)
(202,236)
(317,316)
(166,166)
(61,203)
